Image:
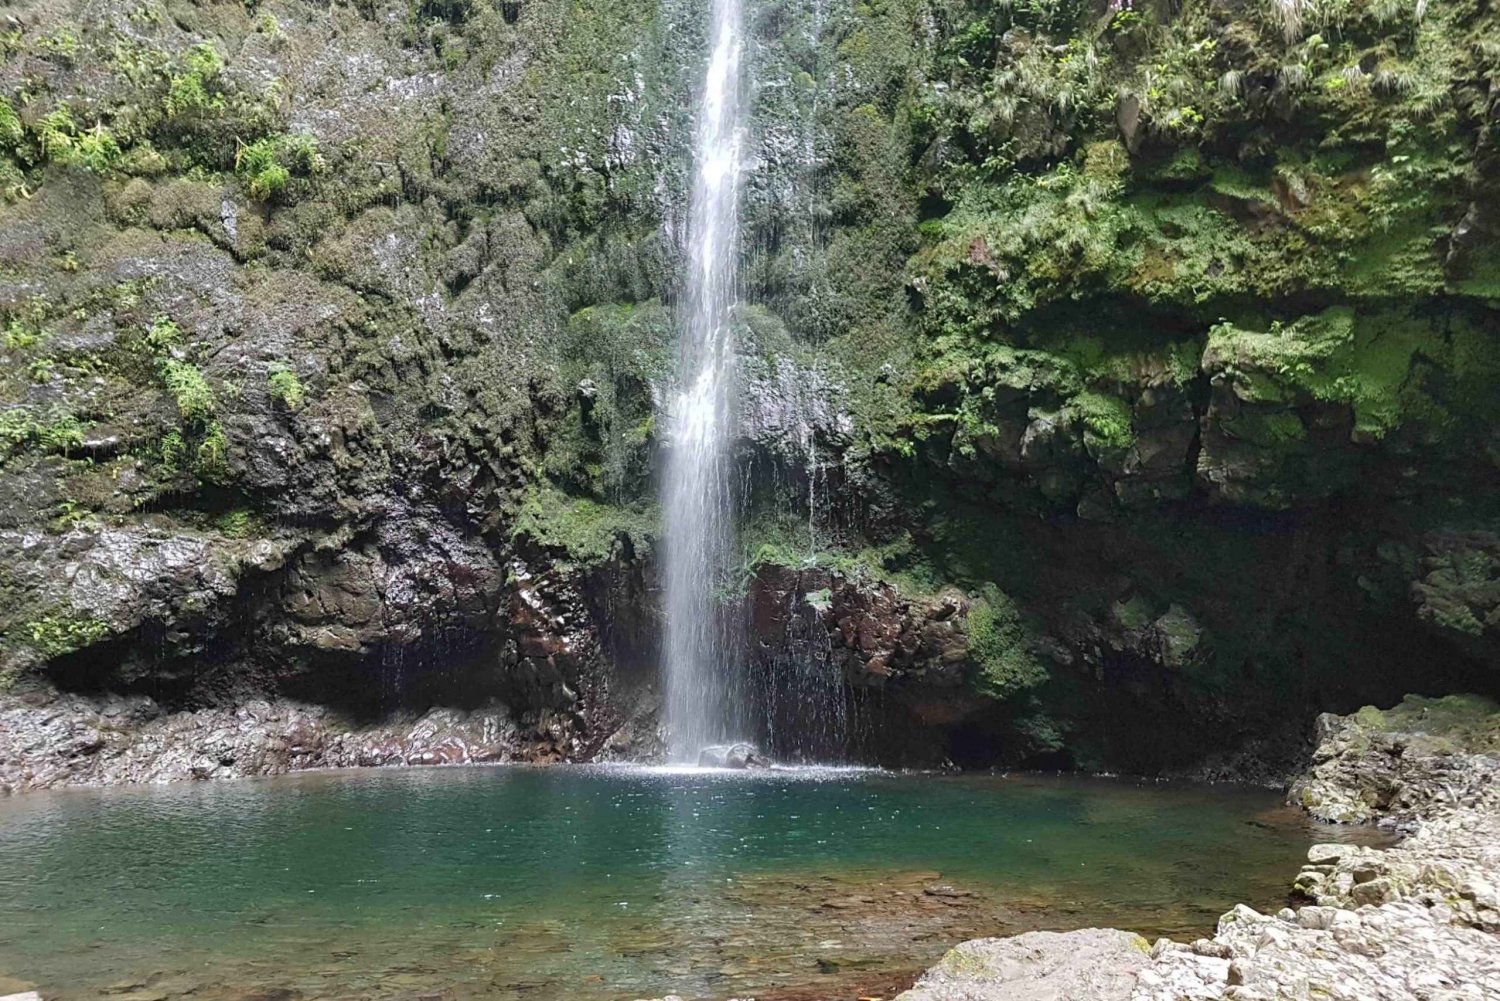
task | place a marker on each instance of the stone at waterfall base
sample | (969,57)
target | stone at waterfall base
(738,756)
(1096,964)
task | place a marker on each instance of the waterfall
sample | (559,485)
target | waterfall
(697,504)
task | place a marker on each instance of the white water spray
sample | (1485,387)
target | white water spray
(696,494)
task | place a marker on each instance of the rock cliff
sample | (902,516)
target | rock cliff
(1116,379)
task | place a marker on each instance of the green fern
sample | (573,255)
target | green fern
(12,132)
(57,135)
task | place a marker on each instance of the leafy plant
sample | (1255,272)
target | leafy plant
(62,44)
(20,334)
(268,165)
(284,386)
(213,449)
(236,524)
(163,335)
(172,451)
(1107,422)
(62,632)
(57,431)
(55,134)
(194,90)
(12,132)
(189,390)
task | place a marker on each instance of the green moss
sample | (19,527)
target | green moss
(1180,635)
(194,90)
(57,138)
(1458,587)
(585,532)
(998,647)
(1368,361)
(1135,613)
(1106,420)
(779,536)
(1232,182)
(600,419)
(1273,429)
(1469,722)
(237,524)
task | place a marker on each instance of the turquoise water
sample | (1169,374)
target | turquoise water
(551,883)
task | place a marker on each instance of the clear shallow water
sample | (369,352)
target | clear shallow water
(599,882)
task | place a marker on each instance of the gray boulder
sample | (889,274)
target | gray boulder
(1094,964)
(738,755)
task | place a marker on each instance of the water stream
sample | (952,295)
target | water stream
(700,662)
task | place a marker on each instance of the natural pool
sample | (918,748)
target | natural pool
(552,883)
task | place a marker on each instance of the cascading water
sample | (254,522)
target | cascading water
(700,664)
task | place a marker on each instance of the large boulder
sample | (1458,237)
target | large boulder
(1404,764)
(1095,964)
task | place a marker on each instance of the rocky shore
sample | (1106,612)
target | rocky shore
(52,740)
(1417,920)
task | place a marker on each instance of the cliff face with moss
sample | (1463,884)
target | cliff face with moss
(1117,381)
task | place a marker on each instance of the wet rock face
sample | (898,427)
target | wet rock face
(1033,440)
(90,584)
(792,412)
(1457,588)
(907,656)
(276,441)
(877,636)
(552,642)
(451,317)
(416,574)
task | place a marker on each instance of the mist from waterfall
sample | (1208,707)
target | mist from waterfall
(697,501)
